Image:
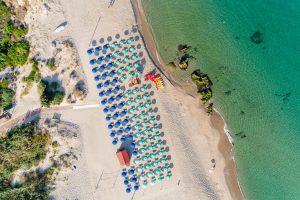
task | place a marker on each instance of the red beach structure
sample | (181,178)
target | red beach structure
(123,157)
(159,84)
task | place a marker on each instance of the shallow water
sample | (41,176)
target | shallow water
(256,86)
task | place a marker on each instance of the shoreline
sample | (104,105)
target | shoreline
(216,119)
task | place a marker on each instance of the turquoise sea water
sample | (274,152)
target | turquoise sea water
(256,86)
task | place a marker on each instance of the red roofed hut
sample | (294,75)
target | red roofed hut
(123,157)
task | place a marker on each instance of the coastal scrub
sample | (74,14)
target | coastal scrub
(14,48)
(50,93)
(22,148)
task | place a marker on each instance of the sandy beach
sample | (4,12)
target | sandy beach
(217,122)
(197,141)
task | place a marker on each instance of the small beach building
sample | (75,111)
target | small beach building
(123,157)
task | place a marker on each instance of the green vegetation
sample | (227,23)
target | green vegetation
(171,65)
(5,13)
(51,64)
(14,49)
(6,95)
(209,108)
(50,95)
(10,30)
(34,75)
(23,147)
(18,53)
(203,84)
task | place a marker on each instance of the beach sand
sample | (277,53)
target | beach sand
(194,138)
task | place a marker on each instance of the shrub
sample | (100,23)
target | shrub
(4,83)
(8,28)
(35,74)
(6,98)
(20,31)
(51,63)
(18,53)
(50,95)
(23,148)
(5,13)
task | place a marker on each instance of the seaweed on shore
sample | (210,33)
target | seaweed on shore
(204,85)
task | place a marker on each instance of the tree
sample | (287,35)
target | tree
(6,98)
(18,53)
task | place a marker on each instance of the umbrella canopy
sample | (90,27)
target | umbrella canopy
(139,107)
(123,78)
(102,68)
(112,134)
(111,100)
(133,57)
(112,73)
(114,142)
(113,108)
(131,74)
(99,86)
(134,118)
(114,81)
(89,51)
(92,62)
(128,190)
(135,153)
(132,144)
(135,91)
(128,67)
(105,110)
(115,116)
(131,171)
(129,41)
(132,49)
(103,102)
(122,139)
(108,57)
(104,76)
(123,113)
(123,174)
(105,47)
(118,62)
(120,132)
(124,51)
(101,94)
(95,70)
(143,88)
(119,97)
(108,92)
(110,126)
(106,83)
(117,89)
(110,65)
(114,44)
(100,60)
(127,129)
(130,137)
(97,78)
(121,105)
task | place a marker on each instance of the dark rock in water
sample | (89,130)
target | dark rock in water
(256,37)
(228,92)
(183,47)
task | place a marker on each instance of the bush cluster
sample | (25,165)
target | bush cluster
(14,48)
(6,95)
(50,94)
(23,148)
(34,75)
